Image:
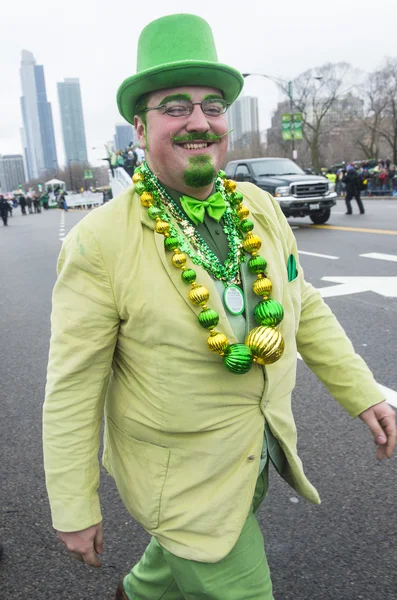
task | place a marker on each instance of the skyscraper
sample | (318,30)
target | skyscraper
(12,172)
(40,149)
(72,120)
(125,134)
(243,118)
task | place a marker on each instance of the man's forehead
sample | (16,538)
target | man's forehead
(195,92)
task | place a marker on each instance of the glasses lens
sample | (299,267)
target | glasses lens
(178,108)
(214,107)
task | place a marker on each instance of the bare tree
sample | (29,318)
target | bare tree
(387,127)
(316,93)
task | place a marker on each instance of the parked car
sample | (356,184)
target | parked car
(298,194)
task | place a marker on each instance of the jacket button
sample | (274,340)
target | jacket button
(251,457)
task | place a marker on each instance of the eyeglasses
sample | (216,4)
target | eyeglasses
(212,107)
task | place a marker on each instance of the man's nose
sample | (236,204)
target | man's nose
(197,121)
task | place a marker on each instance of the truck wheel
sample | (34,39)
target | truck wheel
(321,217)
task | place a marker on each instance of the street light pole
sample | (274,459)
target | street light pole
(70,176)
(291,104)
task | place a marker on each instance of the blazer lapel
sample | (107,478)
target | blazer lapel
(203,278)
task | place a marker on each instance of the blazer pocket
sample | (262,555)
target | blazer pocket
(140,470)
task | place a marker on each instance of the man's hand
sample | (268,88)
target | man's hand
(84,545)
(381,419)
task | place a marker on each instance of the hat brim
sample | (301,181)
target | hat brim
(177,74)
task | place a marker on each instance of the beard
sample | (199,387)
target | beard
(200,172)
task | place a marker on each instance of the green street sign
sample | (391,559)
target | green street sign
(291,125)
(88,174)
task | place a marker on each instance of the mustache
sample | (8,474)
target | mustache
(203,137)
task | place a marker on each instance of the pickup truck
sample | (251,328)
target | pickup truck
(298,194)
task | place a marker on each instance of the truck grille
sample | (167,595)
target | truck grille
(309,190)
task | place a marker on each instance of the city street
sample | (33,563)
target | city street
(344,549)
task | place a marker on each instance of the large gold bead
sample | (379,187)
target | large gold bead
(147,199)
(137,177)
(266,345)
(230,185)
(162,226)
(199,295)
(217,342)
(262,287)
(251,242)
(179,259)
(242,212)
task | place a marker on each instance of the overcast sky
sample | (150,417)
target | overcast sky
(95,40)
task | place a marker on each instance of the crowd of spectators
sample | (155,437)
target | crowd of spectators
(128,159)
(375,178)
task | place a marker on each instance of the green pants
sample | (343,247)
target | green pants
(242,575)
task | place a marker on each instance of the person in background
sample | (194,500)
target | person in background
(36,204)
(130,162)
(4,210)
(29,203)
(22,203)
(44,200)
(352,190)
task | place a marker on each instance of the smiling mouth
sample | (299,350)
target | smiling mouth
(196,145)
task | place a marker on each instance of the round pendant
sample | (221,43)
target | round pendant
(233,298)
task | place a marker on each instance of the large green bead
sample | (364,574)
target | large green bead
(171,243)
(140,187)
(269,313)
(257,265)
(246,225)
(154,212)
(188,275)
(238,359)
(236,198)
(208,318)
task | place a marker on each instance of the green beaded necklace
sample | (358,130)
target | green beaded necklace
(190,241)
(264,344)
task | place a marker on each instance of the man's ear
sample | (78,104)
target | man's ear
(140,128)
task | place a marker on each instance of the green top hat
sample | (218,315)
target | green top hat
(173,51)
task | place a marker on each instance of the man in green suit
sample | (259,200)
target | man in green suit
(171,323)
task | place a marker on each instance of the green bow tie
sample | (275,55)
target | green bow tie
(195,209)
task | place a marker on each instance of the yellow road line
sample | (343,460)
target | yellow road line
(360,229)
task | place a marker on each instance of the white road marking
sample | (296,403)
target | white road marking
(62,227)
(390,395)
(385,286)
(378,256)
(334,212)
(319,255)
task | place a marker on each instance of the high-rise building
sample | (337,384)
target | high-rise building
(12,172)
(72,120)
(40,149)
(124,136)
(243,118)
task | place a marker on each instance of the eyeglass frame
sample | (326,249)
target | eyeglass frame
(193,104)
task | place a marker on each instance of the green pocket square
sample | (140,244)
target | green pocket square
(291,268)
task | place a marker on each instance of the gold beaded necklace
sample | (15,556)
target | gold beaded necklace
(264,344)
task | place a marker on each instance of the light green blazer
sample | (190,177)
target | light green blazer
(183,436)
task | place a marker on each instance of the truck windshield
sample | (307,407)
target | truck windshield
(271,167)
